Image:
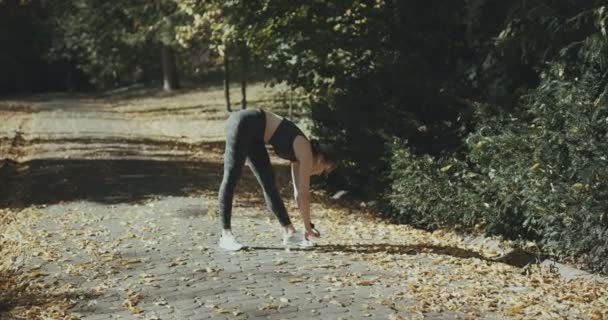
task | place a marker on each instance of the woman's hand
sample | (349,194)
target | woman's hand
(311,232)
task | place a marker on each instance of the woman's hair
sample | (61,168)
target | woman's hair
(324,150)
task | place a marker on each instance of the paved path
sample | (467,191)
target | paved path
(93,128)
(139,124)
(126,243)
(161,256)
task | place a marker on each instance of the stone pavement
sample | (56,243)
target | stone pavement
(158,260)
(86,128)
(140,124)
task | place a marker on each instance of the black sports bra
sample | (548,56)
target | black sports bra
(283,137)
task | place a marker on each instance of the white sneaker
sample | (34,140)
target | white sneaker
(305,243)
(292,238)
(229,243)
(297,239)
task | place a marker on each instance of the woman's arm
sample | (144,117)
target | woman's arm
(301,180)
(295,179)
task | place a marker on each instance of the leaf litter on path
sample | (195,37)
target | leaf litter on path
(432,272)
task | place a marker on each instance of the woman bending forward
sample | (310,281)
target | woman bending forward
(247,133)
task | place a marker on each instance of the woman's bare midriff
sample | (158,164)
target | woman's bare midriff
(272,123)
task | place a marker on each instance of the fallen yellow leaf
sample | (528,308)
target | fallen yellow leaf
(135,311)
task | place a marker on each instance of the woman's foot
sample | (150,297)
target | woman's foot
(294,238)
(228,242)
(305,243)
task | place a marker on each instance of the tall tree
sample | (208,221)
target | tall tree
(225,24)
(110,41)
(170,75)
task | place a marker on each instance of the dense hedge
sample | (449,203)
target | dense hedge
(542,175)
(526,161)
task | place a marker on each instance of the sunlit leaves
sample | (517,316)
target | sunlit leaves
(112,42)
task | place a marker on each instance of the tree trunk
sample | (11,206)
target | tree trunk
(227,79)
(244,53)
(244,93)
(170,77)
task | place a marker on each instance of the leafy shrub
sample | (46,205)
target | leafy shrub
(534,169)
(570,122)
(432,193)
(541,175)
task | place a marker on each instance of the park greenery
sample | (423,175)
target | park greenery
(476,114)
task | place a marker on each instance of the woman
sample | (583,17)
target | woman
(247,133)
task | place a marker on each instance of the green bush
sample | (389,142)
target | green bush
(541,175)
(433,193)
(569,119)
(534,169)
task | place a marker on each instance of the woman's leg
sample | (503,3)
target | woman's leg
(237,146)
(261,168)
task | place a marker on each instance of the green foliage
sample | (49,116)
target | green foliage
(114,43)
(540,176)
(370,72)
(22,40)
(533,171)
(571,146)
(434,192)
(532,34)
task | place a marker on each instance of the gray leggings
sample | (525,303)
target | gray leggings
(245,139)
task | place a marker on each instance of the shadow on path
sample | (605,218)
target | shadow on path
(104,181)
(516,258)
(52,181)
(386,248)
(402,249)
